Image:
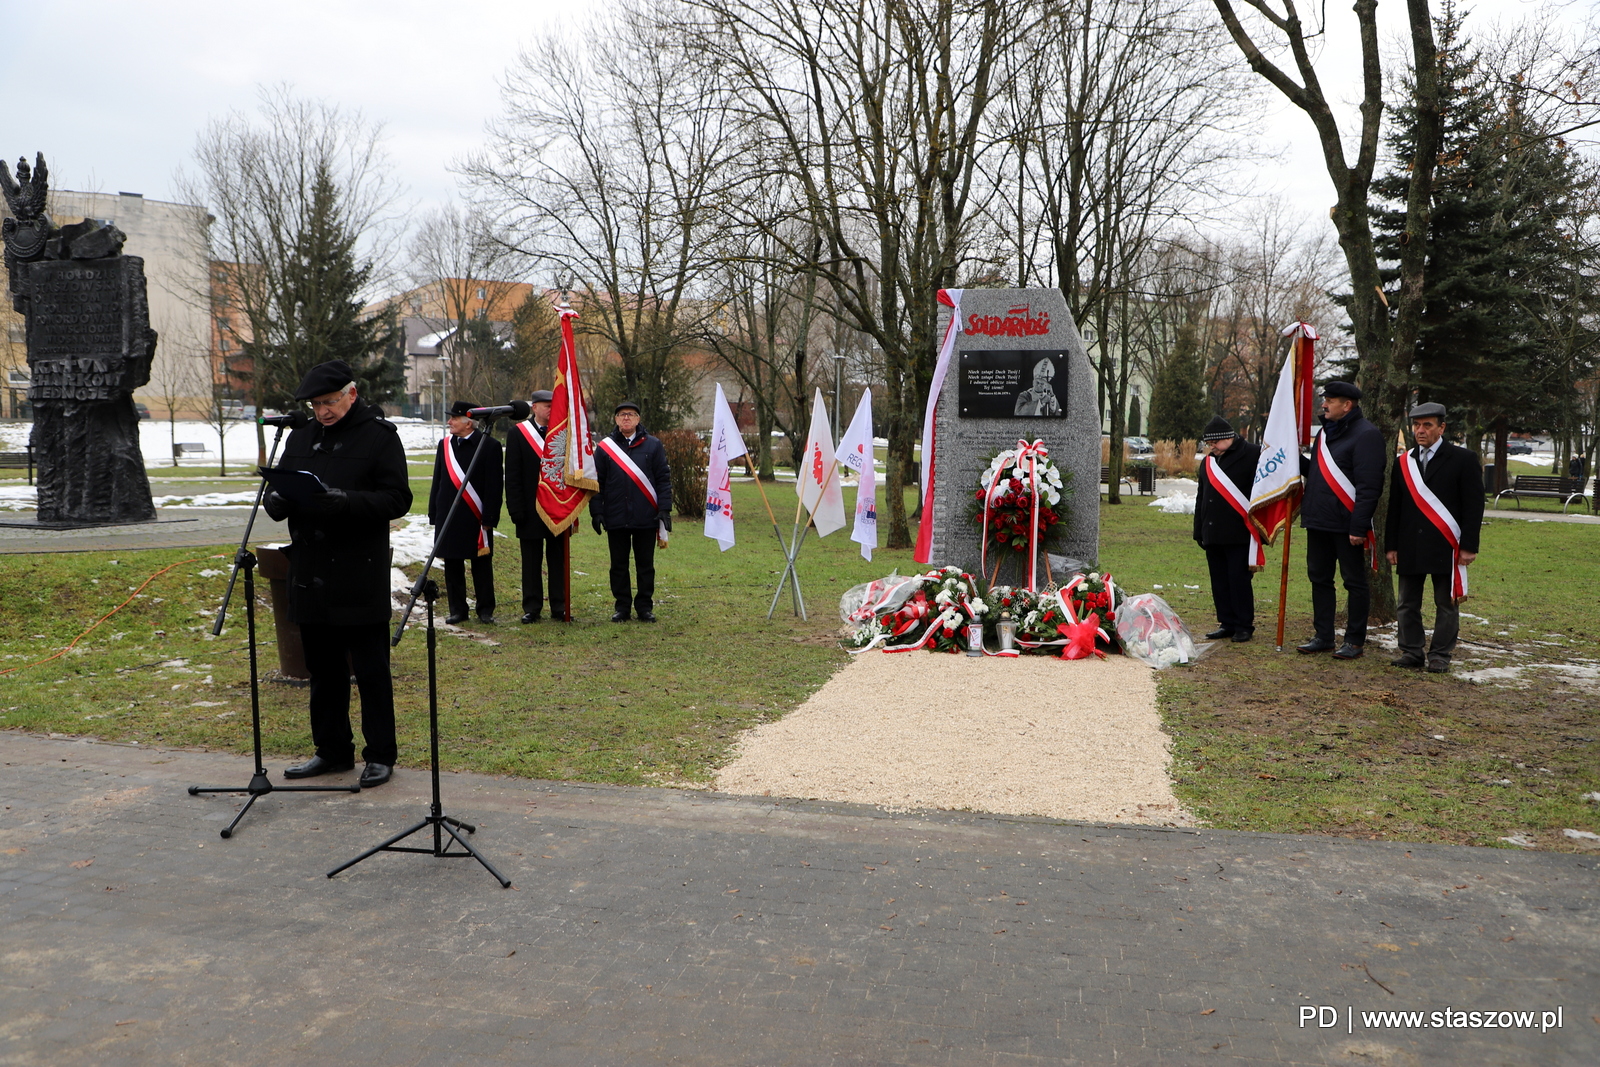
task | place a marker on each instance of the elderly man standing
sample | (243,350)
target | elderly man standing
(526,452)
(469,535)
(1221,508)
(1435,513)
(339,568)
(1344,478)
(633,508)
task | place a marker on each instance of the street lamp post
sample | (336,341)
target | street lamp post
(838,390)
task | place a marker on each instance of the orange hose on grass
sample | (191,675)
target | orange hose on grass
(131,598)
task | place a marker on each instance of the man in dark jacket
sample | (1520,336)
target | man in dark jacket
(339,568)
(525,454)
(633,508)
(470,534)
(1437,485)
(1220,528)
(1344,478)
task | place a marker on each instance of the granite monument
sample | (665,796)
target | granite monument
(89,347)
(1019,372)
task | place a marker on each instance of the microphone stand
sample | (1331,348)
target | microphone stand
(245,560)
(442,824)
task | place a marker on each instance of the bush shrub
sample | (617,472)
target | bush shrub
(688,456)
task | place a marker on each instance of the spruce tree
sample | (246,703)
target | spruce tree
(1179,409)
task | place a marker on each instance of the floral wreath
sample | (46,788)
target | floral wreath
(1016,502)
(930,610)
(1079,618)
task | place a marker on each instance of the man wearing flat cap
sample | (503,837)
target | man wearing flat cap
(469,535)
(1435,513)
(339,567)
(633,509)
(1222,528)
(526,452)
(1344,478)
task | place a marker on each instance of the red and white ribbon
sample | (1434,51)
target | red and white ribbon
(1032,454)
(474,502)
(629,467)
(950,298)
(1344,489)
(1223,484)
(1433,508)
(535,442)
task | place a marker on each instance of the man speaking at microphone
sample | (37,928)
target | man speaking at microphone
(339,568)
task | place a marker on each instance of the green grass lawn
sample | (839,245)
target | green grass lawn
(1261,740)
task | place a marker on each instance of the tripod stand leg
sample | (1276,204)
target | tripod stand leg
(229,831)
(467,826)
(505,883)
(373,851)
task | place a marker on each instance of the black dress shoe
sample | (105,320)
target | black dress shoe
(375,774)
(454,620)
(620,616)
(1438,666)
(1219,633)
(530,617)
(1348,651)
(558,616)
(647,616)
(1316,644)
(1410,663)
(316,765)
(487,620)
(1241,636)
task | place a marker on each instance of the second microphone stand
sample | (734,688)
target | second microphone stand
(260,785)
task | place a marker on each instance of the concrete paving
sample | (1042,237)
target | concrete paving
(653,926)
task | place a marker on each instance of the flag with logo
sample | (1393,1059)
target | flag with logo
(726,446)
(855,455)
(818,478)
(1277,489)
(567,473)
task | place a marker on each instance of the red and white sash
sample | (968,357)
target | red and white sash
(629,467)
(1435,511)
(1223,484)
(474,502)
(525,427)
(1344,489)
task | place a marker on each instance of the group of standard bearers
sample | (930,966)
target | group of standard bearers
(1434,517)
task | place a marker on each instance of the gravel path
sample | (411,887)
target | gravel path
(1029,736)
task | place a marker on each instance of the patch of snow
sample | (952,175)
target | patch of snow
(1520,840)
(19,497)
(206,500)
(1581,835)
(1595,797)
(412,542)
(1175,503)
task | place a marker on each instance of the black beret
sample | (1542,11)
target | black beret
(542,395)
(1218,429)
(1344,389)
(1428,411)
(461,407)
(624,406)
(325,378)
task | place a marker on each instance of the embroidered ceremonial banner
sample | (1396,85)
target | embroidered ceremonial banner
(950,298)
(1277,488)
(471,498)
(727,445)
(566,466)
(1223,484)
(855,454)
(1434,510)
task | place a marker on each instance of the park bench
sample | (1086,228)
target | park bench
(18,461)
(1141,479)
(189,448)
(1555,486)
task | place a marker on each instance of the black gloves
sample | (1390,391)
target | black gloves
(276,506)
(333,502)
(594,520)
(666,520)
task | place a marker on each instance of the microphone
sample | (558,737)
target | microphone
(517,409)
(294,420)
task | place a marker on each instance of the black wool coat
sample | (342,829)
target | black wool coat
(459,539)
(1215,521)
(1457,480)
(621,505)
(339,559)
(522,484)
(1357,447)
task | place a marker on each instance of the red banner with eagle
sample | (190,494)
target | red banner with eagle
(566,466)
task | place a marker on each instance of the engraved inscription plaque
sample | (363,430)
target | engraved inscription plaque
(1012,384)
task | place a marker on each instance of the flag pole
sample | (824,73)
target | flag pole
(566,565)
(1283,586)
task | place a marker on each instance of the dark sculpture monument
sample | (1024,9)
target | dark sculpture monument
(89,347)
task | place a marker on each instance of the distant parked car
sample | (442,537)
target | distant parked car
(1519,448)
(1140,446)
(144,412)
(237,409)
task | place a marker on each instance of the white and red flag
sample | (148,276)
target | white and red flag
(1277,489)
(950,298)
(855,454)
(567,473)
(727,445)
(818,479)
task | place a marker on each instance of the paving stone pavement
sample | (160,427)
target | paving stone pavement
(652,926)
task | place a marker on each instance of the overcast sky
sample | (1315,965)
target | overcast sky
(114,92)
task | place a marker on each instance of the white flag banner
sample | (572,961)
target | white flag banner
(726,446)
(855,454)
(1275,492)
(818,480)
